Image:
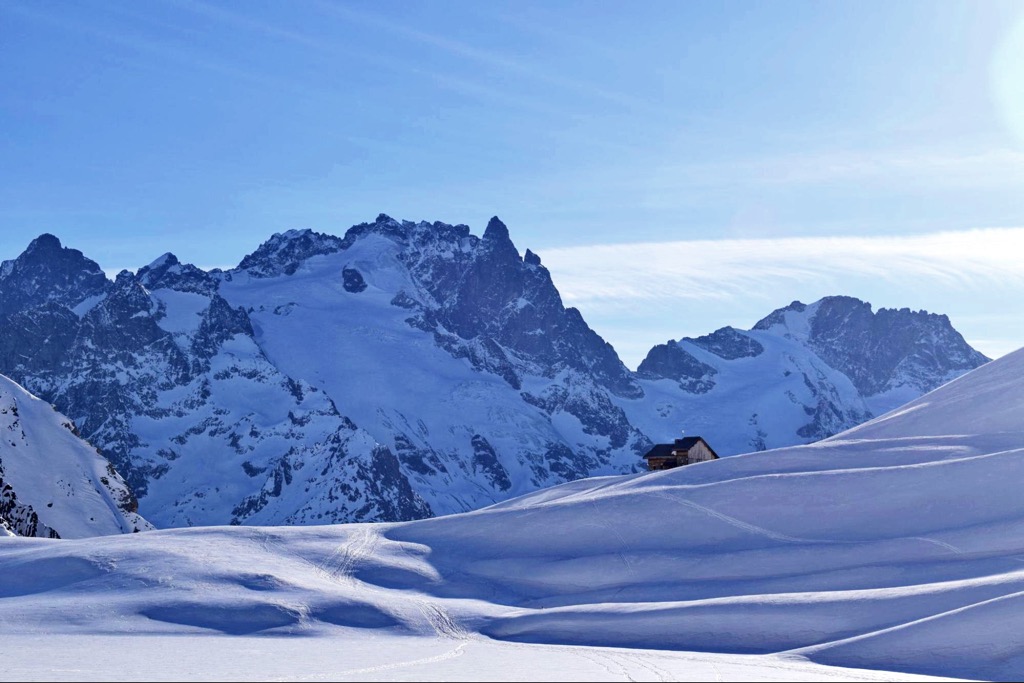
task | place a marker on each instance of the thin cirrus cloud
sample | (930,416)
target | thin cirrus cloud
(733,268)
(641,294)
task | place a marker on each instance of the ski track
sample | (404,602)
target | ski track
(339,565)
(739,524)
(457,651)
(622,541)
(784,538)
(942,544)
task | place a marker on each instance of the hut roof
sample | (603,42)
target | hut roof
(664,450)
(661,450)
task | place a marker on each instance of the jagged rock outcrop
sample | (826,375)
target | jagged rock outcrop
(884,350)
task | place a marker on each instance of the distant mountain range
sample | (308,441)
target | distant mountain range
(414,369)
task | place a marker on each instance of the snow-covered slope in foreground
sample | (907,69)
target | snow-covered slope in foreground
(198,604)
(896,546)
(53,484)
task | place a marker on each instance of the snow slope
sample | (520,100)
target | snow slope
(53,484)
(895,546)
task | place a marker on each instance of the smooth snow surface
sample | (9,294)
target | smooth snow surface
(361,656)
(896,546)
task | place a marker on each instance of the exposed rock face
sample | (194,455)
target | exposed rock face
(284,252)
(353,280)
(730,344)
(47,272)
(482,290)
(889,349)
(672,361)
(410,369)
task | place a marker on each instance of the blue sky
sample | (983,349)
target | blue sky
(131,129)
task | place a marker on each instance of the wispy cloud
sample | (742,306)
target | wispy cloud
(335,49)
(927,167)
(177,53)
(727,269)
(637,295)
(488,58)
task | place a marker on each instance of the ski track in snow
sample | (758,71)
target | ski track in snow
(942,544)
(340,564)
(732,521)
(784,538)
(458,651)
(613,529)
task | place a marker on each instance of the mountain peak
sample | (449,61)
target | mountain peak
(891,348)
(778,316)
(44,244)
(167,272)
(293,234)
(284,252)
(49,272)
(496,241)
(842,300)
(165,261)
(496,230)
(124,280)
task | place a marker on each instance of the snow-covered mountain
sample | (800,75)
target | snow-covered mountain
(897,545)
(450,349)
(53,484)
(803,373)
(234,397)
(161,373)
(404,370)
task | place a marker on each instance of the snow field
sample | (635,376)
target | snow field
(896,546)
